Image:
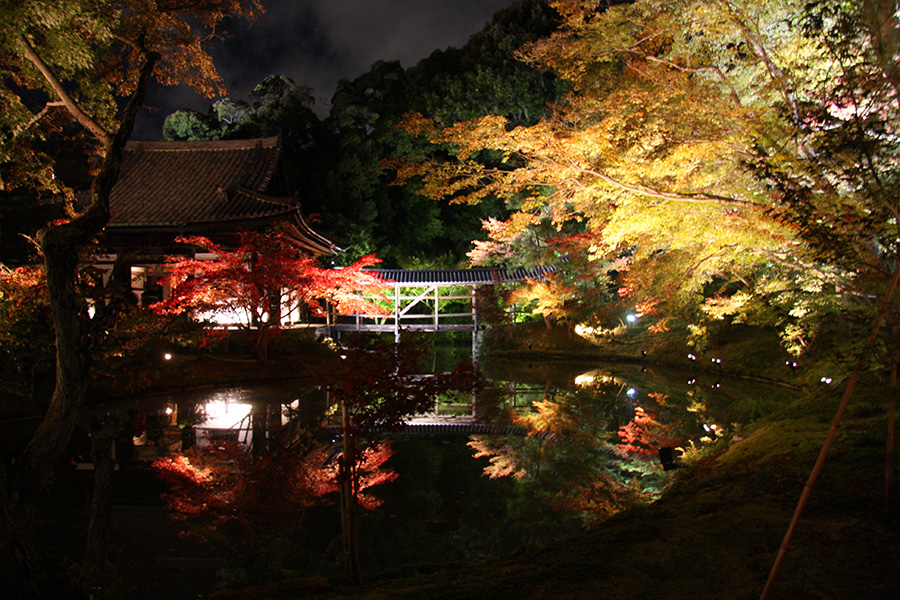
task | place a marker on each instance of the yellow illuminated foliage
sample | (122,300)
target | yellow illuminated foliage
(708,143)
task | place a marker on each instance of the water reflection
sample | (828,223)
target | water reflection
(166,423)
(571,445)
(624,409)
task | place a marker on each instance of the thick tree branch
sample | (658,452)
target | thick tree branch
(663,195)
(698,198)
(37,117)
(71,105)
(674,65)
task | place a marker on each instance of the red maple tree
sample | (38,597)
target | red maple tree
(377,389)
(262,276)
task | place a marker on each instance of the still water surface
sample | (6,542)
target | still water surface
(573,444)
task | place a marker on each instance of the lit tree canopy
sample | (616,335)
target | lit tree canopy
(728,142)
(74,60)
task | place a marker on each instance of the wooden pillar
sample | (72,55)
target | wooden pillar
(437,302)
(396,313)
(474,328)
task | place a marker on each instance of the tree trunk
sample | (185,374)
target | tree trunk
(102,437)
(262,342)
(30,475)
(889,512)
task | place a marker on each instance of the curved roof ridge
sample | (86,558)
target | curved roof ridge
(205,145)
(290,201)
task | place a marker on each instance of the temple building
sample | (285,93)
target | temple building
(216,189)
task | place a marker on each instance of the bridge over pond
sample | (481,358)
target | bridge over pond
(433,300)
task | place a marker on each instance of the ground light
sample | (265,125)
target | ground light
(631,318)
(167,356)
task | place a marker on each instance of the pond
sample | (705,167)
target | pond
(544,450)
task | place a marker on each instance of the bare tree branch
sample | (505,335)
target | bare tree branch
(37,117)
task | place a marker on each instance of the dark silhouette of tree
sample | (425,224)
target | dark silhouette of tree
(78,70)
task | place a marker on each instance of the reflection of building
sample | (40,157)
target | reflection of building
(213,189)
(249,416)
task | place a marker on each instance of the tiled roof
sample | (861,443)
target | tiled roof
(168,183)
(413,277)
(201,188)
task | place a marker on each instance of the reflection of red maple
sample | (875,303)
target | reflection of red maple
(227,486)
(644,435)
(369,473)
(223,483)
(377,389)
(501,457)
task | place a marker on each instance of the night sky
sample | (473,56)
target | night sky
(319,42)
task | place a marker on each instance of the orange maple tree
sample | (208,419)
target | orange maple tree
(643,435)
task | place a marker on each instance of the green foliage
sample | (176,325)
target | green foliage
(484,77)
(189,126)
(277,106)
(337,166)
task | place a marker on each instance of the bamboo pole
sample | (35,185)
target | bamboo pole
(832,433)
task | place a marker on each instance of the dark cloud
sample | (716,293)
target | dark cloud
(319,42)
